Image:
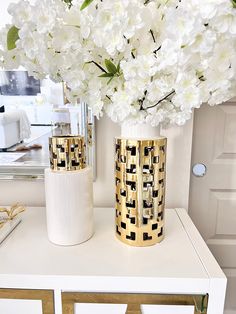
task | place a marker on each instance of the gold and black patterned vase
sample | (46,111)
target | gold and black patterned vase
(140,172)
(67,153)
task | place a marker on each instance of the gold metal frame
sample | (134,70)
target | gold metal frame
(133,301)
(46,296)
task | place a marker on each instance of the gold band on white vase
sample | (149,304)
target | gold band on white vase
(67,153)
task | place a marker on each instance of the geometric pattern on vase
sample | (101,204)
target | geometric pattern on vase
(67,153)
(140,190)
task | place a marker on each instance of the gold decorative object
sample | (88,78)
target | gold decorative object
(67,153)
(10,214)
(134,301)
(140,190)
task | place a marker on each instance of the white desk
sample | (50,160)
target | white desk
(181,264)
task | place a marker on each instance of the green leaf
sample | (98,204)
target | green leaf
(118,67)
(110,66)
(85,4)
(234,3)
(106,75)
(110,80)
(12,37)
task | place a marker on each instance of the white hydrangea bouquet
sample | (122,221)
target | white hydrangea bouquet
(145,61)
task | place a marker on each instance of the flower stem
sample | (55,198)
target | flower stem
(153,37)
(99,66)
(162,99)
(155,51)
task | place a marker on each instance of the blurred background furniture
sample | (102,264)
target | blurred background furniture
(14,128)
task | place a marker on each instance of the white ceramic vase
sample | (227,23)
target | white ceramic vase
(69,204)
(69,192)
(139,131)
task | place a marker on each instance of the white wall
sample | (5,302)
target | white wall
(4,16)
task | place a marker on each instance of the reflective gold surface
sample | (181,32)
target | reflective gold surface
(133,300)
(140,190)
(67,153)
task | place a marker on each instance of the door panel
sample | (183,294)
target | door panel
(213,197)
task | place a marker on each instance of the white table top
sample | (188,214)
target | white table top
(29,260)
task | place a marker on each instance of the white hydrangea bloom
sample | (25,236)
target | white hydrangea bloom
(21,13)
(120,108)
(136,60)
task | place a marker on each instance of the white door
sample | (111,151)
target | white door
(213,196)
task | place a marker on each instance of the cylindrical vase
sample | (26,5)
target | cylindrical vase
(69,206)
(140,168)
(69,192)
(67,153)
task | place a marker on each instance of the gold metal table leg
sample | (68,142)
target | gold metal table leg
(133,309)
(68,308)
